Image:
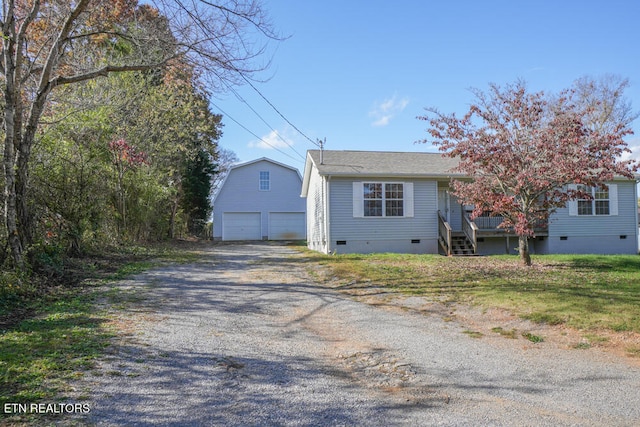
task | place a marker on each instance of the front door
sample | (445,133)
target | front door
(444,203)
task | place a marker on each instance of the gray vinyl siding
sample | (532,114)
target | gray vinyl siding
(241,193)
(563,224)
(316,238)
(597,233)
(423,225)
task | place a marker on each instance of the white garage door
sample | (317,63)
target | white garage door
(241,226)
(287,226)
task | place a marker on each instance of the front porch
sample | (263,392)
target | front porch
(468,238)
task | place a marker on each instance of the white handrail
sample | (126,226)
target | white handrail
(444,231)
(470,230)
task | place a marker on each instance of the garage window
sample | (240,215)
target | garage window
(265,182)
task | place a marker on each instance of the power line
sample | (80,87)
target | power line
(259,138)
(230,63)
(276,110)
(241,99)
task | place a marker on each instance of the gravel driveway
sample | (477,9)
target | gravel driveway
(247,338)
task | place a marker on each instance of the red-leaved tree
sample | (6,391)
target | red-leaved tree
(124,157)
(522,150)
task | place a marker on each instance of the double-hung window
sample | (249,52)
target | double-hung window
(265,182)
(597,204)
(394,199)
(382,199)
(373,199)
(601,201)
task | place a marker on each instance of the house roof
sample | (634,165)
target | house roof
(264,159)
(378,164)
(382,163)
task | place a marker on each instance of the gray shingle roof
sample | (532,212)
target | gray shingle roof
(383,163)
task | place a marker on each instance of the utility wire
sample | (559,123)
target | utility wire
(317,144)
(241,99)
(225,55)
(259,138)
(230,62)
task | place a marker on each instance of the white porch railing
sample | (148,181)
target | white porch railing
(492,223)
(444,234)
(487,222)
(470,230)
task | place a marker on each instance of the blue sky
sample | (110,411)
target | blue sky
(359,72)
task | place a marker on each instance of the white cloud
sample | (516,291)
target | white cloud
(383,112)
(633,145)
(272,140)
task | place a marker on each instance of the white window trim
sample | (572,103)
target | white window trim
(260,180)
(613,203)
(358,199)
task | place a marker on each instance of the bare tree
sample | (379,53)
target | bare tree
(51,43)
(604,98)
(225,159)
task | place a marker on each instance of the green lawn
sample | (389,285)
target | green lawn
(51,334)
(587,292)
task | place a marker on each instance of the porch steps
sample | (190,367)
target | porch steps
(461,246)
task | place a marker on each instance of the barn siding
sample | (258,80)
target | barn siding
(240,193)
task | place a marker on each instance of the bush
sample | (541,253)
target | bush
(15,288)
(47,259)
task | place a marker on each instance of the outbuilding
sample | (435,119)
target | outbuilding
(260,200)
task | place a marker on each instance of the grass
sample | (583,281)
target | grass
(533,338)
(587,292)
(51,333)
(505,333)
(40,353)
(473,334)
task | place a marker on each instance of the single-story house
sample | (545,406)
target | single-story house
(260,200)
(369,201)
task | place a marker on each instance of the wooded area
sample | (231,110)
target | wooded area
(108,136)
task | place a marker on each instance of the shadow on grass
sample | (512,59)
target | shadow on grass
(603,263)
(37,355)
(579,290)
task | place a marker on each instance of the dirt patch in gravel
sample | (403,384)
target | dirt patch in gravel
(378,369)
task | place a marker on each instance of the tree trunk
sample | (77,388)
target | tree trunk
(10,208)
(23,151)
(25,217)
(172,219)
(12,123)
(523,248)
